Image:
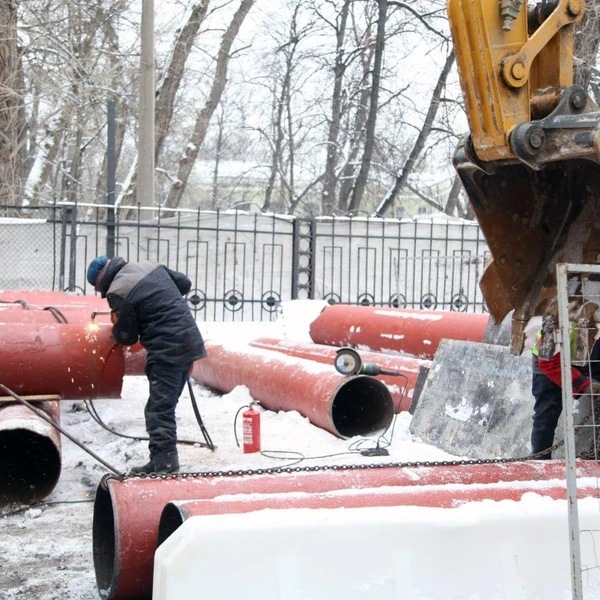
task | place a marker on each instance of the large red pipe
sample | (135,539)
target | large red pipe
(18,313)
(176,513)
(30,460)
(135,356)
(75,361)
(414,332)
(127,511)
(344,406)
(41,355)
(401,387)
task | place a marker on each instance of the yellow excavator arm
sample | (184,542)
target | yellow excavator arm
(530,165)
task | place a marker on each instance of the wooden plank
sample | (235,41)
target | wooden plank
(38,398)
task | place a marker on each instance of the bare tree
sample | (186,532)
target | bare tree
(339,68)
(365,165)
(282,168)
(419,144)
(190,153)
(165,98)
(11,102)
(587,41)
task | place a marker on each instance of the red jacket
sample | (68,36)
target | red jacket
(551,369)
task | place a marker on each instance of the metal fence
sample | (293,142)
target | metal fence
(243,265)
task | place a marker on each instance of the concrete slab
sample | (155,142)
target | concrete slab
(477,403)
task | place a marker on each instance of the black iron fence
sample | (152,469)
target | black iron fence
(244,264)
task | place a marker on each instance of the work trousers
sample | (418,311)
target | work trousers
(546,412)
(166,384)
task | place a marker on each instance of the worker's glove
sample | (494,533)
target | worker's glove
(592,388)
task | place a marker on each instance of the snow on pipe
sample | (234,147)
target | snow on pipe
(404,330)
(401,387)
(344,406)
(176,513)
(31,454)
(127,512)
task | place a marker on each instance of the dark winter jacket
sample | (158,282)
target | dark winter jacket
(147,303)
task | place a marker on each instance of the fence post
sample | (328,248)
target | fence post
(66,210)
(110,178)
(303,272)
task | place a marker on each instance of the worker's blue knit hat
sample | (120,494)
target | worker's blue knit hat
(95,267)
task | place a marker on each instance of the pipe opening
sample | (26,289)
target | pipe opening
(29,468)
(103,535)
(362,405)
(170,520)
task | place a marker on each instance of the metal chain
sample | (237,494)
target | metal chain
(312,469)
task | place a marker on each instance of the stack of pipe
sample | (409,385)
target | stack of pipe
(49,350)
(132,516)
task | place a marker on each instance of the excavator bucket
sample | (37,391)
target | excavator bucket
(532,220)
(530,166)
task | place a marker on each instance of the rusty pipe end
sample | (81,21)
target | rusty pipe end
(171,519)
(362,405)
(30,467)
(104,549)
(30,463)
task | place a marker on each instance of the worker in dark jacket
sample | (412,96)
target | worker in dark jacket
(147,304)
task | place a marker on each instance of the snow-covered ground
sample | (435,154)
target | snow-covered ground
(46,549)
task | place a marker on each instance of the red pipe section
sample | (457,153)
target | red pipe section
(74,361)
(414,332)
(41,355)
(176,513)
(18,313)
(127,511)
(344,406)
(135,356)
(41,299)
(401,387)
(30,461)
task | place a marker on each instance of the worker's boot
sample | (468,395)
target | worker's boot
(166,462)
(144,469)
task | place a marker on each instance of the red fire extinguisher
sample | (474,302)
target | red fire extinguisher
(251,429)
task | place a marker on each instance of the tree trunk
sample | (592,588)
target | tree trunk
(11,101)
(220,79)
(452,200)
(434,105)
(165,99)
(365,166)
(339,68)
(347,175)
